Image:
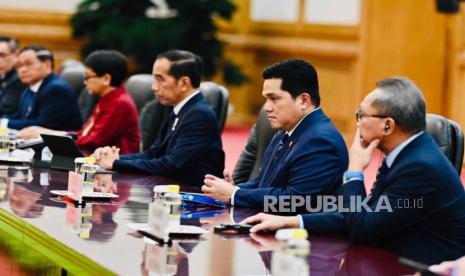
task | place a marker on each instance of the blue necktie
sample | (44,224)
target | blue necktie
(28,101)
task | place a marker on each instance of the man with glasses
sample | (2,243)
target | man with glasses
(424,218)
(114,120)
(10,85)
(48,101)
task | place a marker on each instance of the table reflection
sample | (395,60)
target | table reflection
(99,231)
(166,259)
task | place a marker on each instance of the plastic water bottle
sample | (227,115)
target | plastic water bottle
(164,211)
(86,221)
(292,258)
(4,141)
(46,154)
(3,183)
(172,203)
(88,170)
(159,192)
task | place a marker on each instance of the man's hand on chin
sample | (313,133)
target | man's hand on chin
(218,188)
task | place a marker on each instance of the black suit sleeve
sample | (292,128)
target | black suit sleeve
(10,100)
(325,223)
(54,103)
(192,140)
(412,183)
(314,169)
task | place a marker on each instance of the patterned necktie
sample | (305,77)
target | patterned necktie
(382,171)
(277,156)
(281,146)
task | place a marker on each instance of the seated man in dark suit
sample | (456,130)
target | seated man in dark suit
(114,120)
(10,85)
(424,218)
(49,101)
(306,157)
(190,143)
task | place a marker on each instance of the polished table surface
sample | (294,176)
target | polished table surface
(113,245)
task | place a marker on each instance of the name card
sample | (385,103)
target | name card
(74,185)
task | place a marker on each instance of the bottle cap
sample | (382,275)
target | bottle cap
(160,189)
(291,234)
(79,160)
(173,188)
(85,234)
(89,159)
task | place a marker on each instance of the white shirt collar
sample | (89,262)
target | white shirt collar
(289,133)
(394,153)
(35,87)
(179,106)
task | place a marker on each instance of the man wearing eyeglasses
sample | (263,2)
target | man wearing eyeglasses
(10,85)
(426,218)
(48,101)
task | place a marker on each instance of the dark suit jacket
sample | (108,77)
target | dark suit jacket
(55,106)
(12,88)
(431,234)
(313,164)
(191,151)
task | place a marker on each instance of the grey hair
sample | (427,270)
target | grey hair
(403,101)
(12,42)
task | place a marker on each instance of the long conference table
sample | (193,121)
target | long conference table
(47,236)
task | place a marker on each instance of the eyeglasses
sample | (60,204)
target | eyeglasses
(27,65)
(359,115)
(90,77)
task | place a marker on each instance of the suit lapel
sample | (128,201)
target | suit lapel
(38,94)
(279,162)
(169,132)
(268,166)
(271,171)
(385,182)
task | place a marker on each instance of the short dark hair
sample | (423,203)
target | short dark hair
(12,42)
(401,100)
(109,62)
(184,63)
(43,53)
(298,76)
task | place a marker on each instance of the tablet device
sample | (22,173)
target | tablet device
(64,152)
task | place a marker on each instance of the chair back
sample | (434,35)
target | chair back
(87,103)
(217,97)
(74,76)
(151,119)
(139,87)
(449,136)
(251,157)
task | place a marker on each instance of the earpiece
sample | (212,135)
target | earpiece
(386,127)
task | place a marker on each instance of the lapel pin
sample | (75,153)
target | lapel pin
(175,123)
